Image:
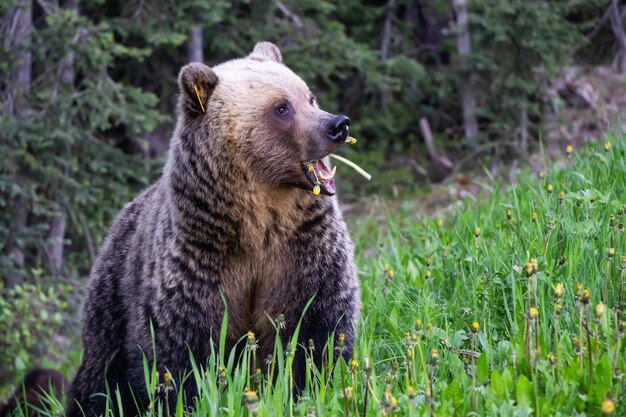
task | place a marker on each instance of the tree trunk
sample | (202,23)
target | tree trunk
(56,237)
(194,45)
(620,38)
(19,34)
(57,223)
(466,88)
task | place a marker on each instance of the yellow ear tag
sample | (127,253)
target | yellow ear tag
(195,87)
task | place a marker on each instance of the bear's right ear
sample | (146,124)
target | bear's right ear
(196,81)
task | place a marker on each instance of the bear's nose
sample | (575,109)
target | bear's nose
(338,128)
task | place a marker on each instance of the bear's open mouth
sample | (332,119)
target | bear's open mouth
(318,173)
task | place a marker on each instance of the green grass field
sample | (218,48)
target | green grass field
(508,305)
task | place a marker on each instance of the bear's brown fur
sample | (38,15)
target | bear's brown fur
(233,214)
(31,394)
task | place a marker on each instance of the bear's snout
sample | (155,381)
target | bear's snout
(337,130)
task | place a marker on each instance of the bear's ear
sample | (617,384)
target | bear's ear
(264,51)
(196,81)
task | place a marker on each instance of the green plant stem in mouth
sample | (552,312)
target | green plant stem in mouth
(352,165)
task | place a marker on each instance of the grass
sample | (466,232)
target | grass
(512,305)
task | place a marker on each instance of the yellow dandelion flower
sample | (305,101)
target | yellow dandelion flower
(608,407)
(533,313)
(558,290)
(475,327)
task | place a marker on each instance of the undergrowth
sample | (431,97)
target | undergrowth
(509,306)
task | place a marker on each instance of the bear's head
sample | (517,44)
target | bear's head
(263,117)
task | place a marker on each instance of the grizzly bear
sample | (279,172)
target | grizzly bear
(233,220)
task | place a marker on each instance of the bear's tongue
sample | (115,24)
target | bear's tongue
(325,176)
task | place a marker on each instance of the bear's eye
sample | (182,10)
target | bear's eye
(312,100)
(282,109)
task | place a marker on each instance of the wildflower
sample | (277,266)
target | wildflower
(351,140)
(529,270)
(445,342)
(316,189)
(608,406)
(367,368)
(429,326)
(251,401)
(599,310)
(251,341)
(475,327)
(151,405)
(551,358)
(389,402)
(561,196)
(534,217)
(579,291)
(409,353)
(354,365)
(568,150)
(557,309)
(509,214)
(585,297)
(611,253)
(289,350)
(550,188)
(280,321)
(410,392)
(558,290)
(575,341)
(311,345)
(542,174)
(427,261)
(477,232)
(427,275)
(562,260)
(607,146)
(388,271)
(348,392)
(533,313)
(342,340)
(534,263)
(418,324)
(167,377)
(612,220)
(434,356)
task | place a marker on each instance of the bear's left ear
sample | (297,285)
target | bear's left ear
(264,51)
(196,81)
